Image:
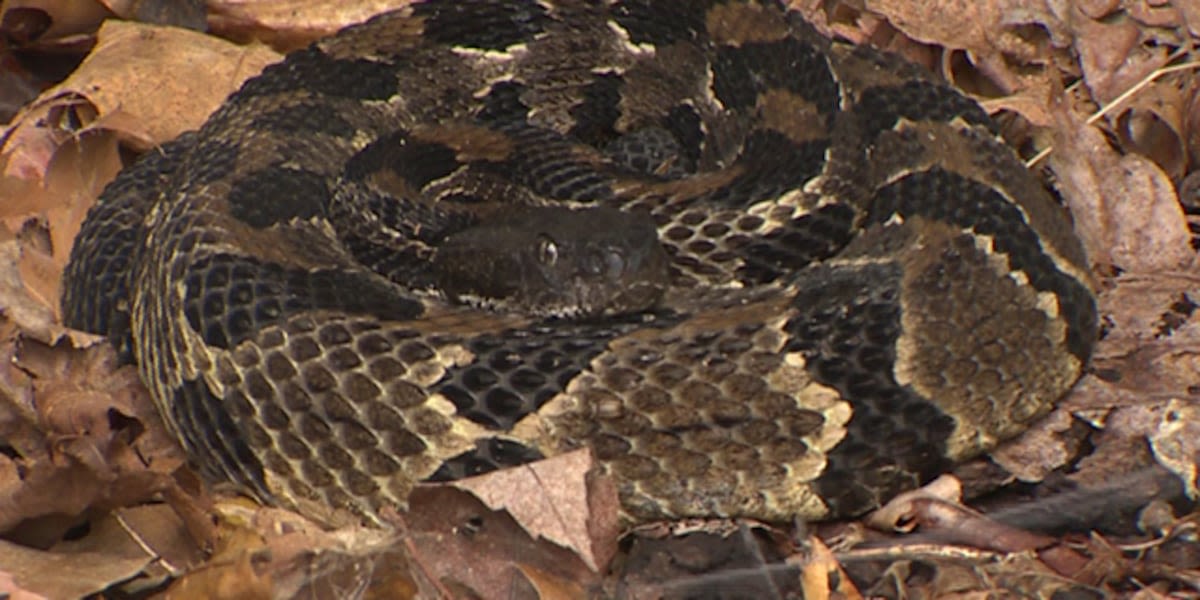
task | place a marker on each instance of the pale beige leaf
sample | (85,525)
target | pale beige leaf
(147,82)
(290,24)
(552,499)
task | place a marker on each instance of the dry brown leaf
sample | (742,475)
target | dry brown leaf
(290,24)
(19,308)
(459,543)
(292,556)
(1125,207)
(993,34)
(237,578)
(10,590)
(106,556)
(160,529)
(1041,449)
(711,558)
(1192,119)
(1033,103)
(148,83)
(1190,11)
(1176,443)
(959,24)
(178,13)
(822,576)
(84,434)
(558,500)
(77,174)
(1155,14)
(1112,56)
(1098,9)
(546,586)
(897,513)
(1152,125)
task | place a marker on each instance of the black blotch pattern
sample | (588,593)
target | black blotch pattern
(502,105)
(662,22)
(981,208)
(517,371)
(596,116)
(490,454)
(686,127)
(803,241)
(881,107)
(231,298)
(211,160)
(417,162)
(771,164)
(278,194)
(482,24)
(741,73)
(309,118)
(846,326)
(315,72)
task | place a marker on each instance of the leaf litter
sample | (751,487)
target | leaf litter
(1100,96)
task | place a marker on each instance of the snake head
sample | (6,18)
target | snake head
(555,261)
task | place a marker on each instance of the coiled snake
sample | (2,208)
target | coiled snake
(757,273)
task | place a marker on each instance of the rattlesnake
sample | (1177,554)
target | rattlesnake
(426,245)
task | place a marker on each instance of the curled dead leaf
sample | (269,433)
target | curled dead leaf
(1125,207)
(75,421)
(1152,125)
(148,83)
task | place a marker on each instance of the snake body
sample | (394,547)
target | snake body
(758,273)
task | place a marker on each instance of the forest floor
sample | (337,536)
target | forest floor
(1100,96)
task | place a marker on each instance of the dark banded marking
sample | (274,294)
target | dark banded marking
(515,372)
(483,24)
(397,153)
(596,116)
(229,299)
(846,325)
(312,117)
(278,194)
(946,196)
(315,72)
(660,23)
(743,72)
(880,108)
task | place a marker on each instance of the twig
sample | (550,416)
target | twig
(1127,94)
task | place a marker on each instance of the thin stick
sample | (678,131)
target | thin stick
(1127,94)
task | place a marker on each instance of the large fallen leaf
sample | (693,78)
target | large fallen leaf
(1125,207)
(290,24)
(108,554)
(149,83)
(468,549)
(558,499)
(77,431)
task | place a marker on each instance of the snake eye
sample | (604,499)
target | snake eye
(614,262)
(547,251)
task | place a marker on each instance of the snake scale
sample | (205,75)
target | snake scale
(757,272)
